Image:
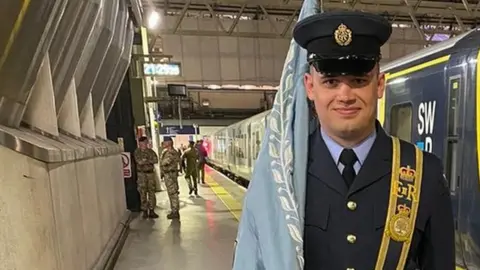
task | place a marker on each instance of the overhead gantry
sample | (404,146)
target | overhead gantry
(427,17)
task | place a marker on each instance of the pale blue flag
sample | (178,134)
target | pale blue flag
(270,234)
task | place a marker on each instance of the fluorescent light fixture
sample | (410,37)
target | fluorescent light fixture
(153,19)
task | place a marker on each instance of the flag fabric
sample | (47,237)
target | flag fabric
(270,233)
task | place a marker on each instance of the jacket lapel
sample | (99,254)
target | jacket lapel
(377,164)
(321,165)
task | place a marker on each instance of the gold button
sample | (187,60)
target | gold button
(352,205)
(350,268)
(351,238)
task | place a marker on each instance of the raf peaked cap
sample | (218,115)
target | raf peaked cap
(167,139)
(353,37)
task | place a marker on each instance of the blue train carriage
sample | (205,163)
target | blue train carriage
(431,100)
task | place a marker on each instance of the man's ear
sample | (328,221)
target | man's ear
(308,82)
(381,85)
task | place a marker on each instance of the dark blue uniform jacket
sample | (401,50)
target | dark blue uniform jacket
(330,223)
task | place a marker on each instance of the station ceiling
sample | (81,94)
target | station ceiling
(433,16)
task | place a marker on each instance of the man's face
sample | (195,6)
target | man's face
(143,145)
(346,105)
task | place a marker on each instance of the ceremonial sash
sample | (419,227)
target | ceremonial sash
(406,183)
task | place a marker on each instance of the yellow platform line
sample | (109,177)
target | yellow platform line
(232,205)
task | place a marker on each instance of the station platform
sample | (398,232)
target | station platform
(203,238)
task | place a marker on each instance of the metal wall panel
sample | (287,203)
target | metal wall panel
(25,36)
(116,80)
(95,52)
(69,42)
(112,58)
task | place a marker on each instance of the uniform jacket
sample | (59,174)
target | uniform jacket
(329,221)
(145,159)
(170,159)
(191,156)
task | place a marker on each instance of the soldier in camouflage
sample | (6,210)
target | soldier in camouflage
(169,161)
(191,157)
(146,159)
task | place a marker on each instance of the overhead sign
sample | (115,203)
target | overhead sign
(172,130)
(162,69)
(127,165)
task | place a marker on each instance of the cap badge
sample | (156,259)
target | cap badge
(343,35)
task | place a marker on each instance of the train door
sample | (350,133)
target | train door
(462,167)
(455,83)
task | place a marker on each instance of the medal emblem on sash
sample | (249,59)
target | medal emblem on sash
(399,226)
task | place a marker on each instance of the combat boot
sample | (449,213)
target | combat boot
(196,192)
(191,191)
(173,215)
(153,214)
(145,214)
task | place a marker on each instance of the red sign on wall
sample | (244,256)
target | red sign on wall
(127,165)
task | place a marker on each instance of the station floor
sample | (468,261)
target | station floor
(203,238)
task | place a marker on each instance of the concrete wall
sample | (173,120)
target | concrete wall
(58,215)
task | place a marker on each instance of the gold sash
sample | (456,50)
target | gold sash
(405,187)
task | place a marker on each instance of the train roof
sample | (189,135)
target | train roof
(426,52)
(256,116)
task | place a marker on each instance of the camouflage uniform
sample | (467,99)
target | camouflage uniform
(146,160)
(191,157)
(170,159)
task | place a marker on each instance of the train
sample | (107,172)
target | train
(432,99)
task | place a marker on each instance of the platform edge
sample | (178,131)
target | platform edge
(112,250)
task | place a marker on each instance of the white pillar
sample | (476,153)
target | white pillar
(100,124)
(87,122)
(40,112)
(68,118)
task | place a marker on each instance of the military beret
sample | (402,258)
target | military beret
(343,41)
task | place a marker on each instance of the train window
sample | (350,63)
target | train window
(453,107)
(401,121)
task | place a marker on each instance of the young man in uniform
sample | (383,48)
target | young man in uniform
(146,159)
(202,160)
(190,156)
(169,161)
(371,201)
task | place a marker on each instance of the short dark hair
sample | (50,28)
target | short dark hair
(143,139)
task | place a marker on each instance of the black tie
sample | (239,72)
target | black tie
(348,158)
